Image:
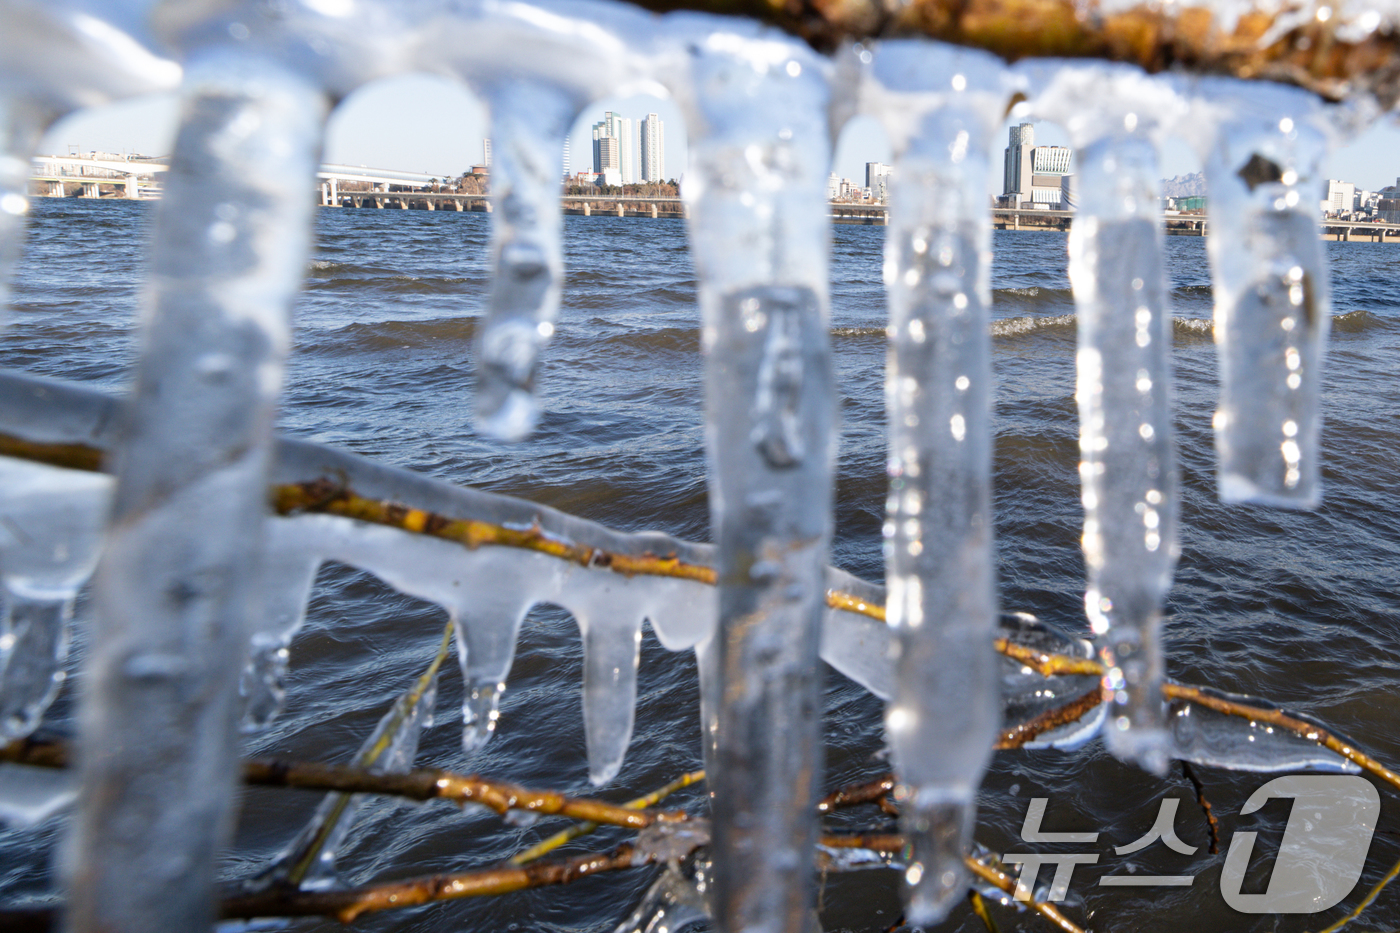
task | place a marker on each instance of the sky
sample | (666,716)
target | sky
(426,124)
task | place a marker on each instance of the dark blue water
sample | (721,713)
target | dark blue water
(1300,608)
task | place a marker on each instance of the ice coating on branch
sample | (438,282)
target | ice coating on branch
(943,106)
(671,904)
(486,592)
(1204,736)
(171,615)
(1127,465)
(309,862)
(29,795)
(529,121)
(51,523)
(755,108)
(1270,278)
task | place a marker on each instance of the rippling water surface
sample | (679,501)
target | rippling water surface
(1300,608)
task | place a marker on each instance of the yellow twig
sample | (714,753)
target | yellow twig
(1367,901)
(546,846)
(303,862)
(1000,879)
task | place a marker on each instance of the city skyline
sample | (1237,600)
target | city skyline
(431,125)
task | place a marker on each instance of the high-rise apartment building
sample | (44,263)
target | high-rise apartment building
(486,152)
(617,127)
(653,149)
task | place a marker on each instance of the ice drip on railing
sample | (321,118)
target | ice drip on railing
(941,107)
(1127,471)
(172,592)
(1262,146)
(756,111)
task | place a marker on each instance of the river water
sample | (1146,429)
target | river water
(1299,608)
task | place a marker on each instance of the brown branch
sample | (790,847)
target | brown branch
(1155,37)
(1073,711)
(39,753)
(432,783)
(346,905)
(324,496)
(1212,824)
(871,791)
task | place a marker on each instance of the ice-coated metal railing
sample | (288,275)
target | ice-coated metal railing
(180,540)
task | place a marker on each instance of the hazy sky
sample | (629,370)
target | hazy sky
(430,125)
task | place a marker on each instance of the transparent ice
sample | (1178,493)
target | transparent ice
(310,860)
(1127,468)
(671,904)
(55,57)
(528,124)
(170,620)
(756,195)
(1263,147)
(941,107)
(1204,736)
(51,523)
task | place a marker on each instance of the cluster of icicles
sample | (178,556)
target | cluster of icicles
(182,553)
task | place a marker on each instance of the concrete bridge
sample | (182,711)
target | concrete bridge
(62,176)
(1348,231)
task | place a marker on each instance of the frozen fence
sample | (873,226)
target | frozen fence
(180,542)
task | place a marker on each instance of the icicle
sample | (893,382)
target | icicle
(50,532)
(1127,470)
(21,124)
(309,862)
(609,609)
(291,556)
(1206,737)
(1270,277)
(942,108)
(159,717)
(528,124)
(760,239)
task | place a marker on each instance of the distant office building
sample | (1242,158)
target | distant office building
(1034,175)
(1341,197)
(653,149)
(1388,203)
(833,186)
(877,176)
(619,128)
(486,152)
(568,167)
